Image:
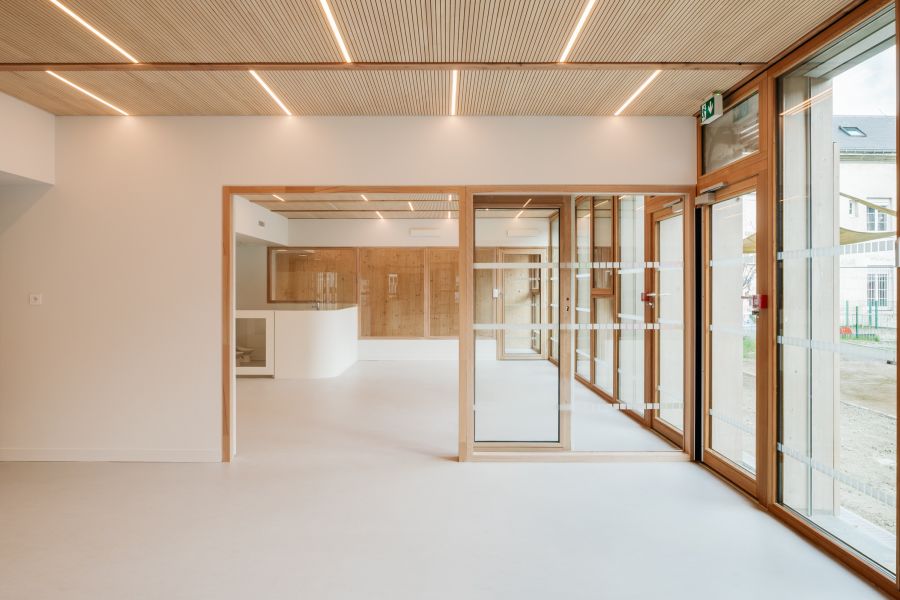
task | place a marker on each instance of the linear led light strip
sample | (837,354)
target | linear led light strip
(270,92)
(637,92)
(807,104)
(454,86)
(93,30)
(334,30)
(87,93)
(581,21)
(279,197)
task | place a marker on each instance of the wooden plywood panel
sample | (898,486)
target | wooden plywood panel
(679,30)
(678,93)
(37,31)
(363,92)
(485,283)
(545,92)
(464,30)
(168,31)
(325,275)
(143,93)
(392,292)
(443,292)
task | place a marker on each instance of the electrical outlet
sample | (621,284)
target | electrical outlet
(35,299)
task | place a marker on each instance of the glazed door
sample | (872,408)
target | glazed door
(665,300)
(731,308)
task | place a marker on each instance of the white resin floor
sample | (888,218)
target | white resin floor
(347,488)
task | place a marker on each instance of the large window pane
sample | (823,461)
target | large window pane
(837,328)
(320,275)
(670,318)
(732,136)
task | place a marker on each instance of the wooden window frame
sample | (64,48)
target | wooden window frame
(765,166)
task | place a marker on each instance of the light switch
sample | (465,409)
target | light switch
(35,299)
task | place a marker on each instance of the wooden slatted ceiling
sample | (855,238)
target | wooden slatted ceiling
(456,30)
(344,93)
(168,31)
(712,30)
(408,30)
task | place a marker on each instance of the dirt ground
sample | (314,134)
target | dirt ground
(868,437)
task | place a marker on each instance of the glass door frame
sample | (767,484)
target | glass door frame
(473,201)
(563,195)
(753,484)
(656,213)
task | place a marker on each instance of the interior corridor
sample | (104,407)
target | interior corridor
(351,487)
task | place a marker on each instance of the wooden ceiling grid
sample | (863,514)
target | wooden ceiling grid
(508,34)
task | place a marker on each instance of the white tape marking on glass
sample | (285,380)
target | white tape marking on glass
(858,248)
(860,486)
(734,422)
(844,348)
(746,330)
(746,259)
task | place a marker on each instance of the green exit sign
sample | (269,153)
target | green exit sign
(711,109)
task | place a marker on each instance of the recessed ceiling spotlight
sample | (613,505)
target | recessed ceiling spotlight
(87,93)
(637,92)
(581,21)
(270,92)
(93,30)
(334,30)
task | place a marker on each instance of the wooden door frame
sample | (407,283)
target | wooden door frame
(655,422)
(738,476)
(500,308)
(533,452)
(228,306)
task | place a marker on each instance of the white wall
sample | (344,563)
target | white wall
(27,147)
(122,360)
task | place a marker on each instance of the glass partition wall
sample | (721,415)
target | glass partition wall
(837,331)
(575,300)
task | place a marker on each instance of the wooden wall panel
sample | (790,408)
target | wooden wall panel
(443,292)
(392,292)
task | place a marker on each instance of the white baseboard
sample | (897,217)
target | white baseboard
(107,455)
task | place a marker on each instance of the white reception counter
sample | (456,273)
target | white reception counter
(313,343)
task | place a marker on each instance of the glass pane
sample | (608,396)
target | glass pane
(320,275)
(837,328)
(583,287)
(443,291)
(733,328)
(250,342)
(631,308)
(670,318)
(554,287)
(604,341)
(516,386)
(603,242)
(732,136)
(392,292)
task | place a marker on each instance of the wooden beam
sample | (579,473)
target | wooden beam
(387,66)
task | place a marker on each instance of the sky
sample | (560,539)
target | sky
(869,88)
